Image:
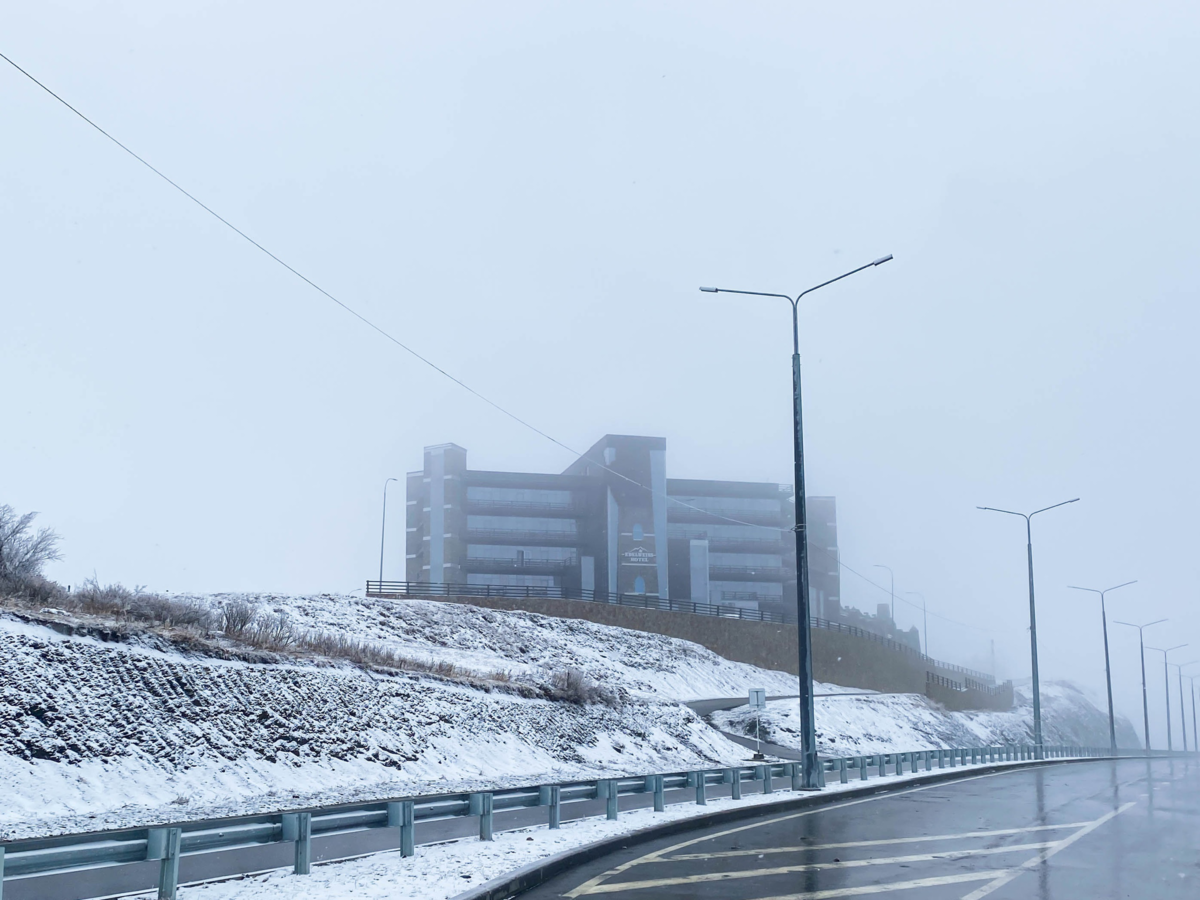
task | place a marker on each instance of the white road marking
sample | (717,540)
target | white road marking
(879,843)
(1008,876)
(615,887)
(885,888)
(591,883)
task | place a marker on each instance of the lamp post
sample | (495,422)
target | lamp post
(383,531)
(1167,688)
(1179,667)
(924,618)
(811,780)
(892,576)
(1145,702)
(1192,680)
(1112,722)
(1037,692)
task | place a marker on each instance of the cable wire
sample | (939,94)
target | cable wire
(405,347)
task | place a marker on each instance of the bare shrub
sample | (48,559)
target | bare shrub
(23,551)
(236,617)
(271,632)
(573,686)
(119,602)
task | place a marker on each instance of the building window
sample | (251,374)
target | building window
(639,585)
(638,533)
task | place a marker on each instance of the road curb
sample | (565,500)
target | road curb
(534,874)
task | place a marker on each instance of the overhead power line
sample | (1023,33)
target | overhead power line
(405,347)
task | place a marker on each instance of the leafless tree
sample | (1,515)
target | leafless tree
(23,551)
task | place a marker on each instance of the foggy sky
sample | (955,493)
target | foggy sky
(530,194)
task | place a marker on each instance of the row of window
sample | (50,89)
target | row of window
(522,524)
(728,504)
(519,495)
(498,551)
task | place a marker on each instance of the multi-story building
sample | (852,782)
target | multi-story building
(613,522)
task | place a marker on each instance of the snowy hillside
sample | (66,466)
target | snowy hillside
(98,734)
(850,725)
(105,723)
(522,643)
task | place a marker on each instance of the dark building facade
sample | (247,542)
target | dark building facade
(596,527)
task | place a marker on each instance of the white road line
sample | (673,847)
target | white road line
(879,843)
(935,881)
(616,887)
(1008,876)
(591,883)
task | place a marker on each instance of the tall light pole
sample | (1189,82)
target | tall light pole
(808,729)
(1145,702)
(1112,722)
(1179,667)
(1192,680)
(1037,691)
(383,531)
(1167,687)
(924,618)
(892,576)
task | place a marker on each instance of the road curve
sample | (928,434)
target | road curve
(1099,830)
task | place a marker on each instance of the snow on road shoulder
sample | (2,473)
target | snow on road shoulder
(443,871)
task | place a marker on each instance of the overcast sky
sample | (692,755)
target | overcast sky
(529,194)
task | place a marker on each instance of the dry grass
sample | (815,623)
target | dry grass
(238,626)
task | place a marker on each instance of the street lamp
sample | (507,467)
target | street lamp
(1145,703)
(924,618)
(382,531)
(1182,712)
(1167,686)
(891,575)
(1037,691)
(1112,722)
(1192,679)
(808,730)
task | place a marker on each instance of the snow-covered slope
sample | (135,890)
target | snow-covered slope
(96,734)
(854,724)
(137,730)
(488,640)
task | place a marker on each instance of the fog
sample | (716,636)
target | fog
(529,195)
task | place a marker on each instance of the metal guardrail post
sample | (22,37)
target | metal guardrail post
(701,792)
(611,809)
(555,806)
(733,778)
(862,768)
(168,869)
(660,800)
(481,805)
(1,872)
(402,815)
(303,843)
(843,775)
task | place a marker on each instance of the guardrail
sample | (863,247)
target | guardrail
(398,589)
(399,822)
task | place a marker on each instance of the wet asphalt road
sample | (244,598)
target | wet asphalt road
(1083,831)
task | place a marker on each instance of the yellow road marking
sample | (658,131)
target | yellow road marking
(614,887)
(935,881)
(1008,876)
(591,883)
(879,843)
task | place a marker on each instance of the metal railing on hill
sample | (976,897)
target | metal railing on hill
(423,589)
(99,860)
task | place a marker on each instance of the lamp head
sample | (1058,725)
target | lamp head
(709,290)
(882,260)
